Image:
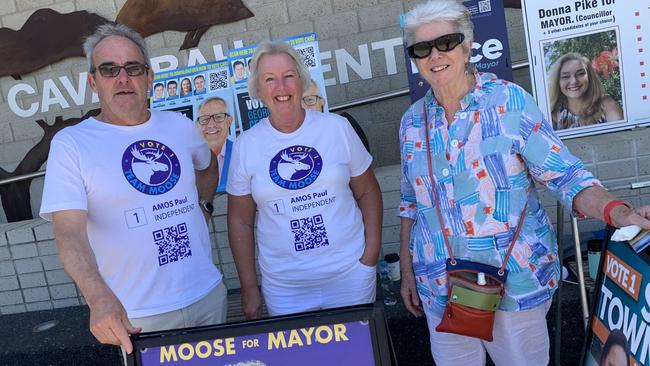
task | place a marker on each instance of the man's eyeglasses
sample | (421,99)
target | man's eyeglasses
(444,43)
(112,70)
(311,100)
(219,117)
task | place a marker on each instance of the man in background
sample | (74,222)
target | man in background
(214,122)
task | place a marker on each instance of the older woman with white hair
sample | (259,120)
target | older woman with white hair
(318,203)
(472,150)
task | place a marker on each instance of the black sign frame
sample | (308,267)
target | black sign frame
(383,352)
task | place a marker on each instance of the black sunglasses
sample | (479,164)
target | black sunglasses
(112,70)
(444,43)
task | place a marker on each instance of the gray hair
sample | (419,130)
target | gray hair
(210,100)
(108,30)
(450,11)
(275,48)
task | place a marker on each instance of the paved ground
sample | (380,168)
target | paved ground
(70,342)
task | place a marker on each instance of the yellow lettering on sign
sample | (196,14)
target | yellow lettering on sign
(168,354)
(294,339)
(276,340)
(186,351)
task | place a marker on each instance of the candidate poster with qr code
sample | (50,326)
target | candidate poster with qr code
(203,87)
(490,47)
(589,63)
(251,111)
(619,328)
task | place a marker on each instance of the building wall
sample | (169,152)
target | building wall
(31,277)
(359,41)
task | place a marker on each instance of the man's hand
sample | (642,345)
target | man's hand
(410,295)
(109,322)
(251,303)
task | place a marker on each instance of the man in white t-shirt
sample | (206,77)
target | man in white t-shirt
(129,192)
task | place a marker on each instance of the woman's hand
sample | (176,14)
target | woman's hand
(410,295)
(624,216)
(251,303)
(241,219)
(367,193)
(592,201)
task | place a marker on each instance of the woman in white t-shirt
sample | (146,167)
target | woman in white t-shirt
(318,203)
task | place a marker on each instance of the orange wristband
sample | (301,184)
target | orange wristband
(609,207)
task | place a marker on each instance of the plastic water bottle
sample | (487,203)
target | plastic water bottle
(594,249)
(480,279)
(392,261)
(387,285)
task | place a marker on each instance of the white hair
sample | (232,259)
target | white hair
(450,11)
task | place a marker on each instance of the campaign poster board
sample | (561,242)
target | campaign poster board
(346,336)
(192,86)
(490,47)
(619,327)
(250,111)
(614,39)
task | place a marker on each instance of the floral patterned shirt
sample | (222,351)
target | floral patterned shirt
(485,164)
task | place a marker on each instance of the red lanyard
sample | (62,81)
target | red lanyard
(437,202)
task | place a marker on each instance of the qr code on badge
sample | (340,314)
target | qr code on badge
(484,6)
(309,233)
(173,244)
(308,57)
(218,80)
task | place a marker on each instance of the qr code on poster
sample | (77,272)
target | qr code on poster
(218,80)
(308,58)
(484,6)
(173,244)
(309,233)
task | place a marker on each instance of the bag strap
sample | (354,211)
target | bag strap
(437,202)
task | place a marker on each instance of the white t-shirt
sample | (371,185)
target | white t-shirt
(145,225)
(309,226)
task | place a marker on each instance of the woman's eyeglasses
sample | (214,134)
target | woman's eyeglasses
(444,43)
(219,117)
(311,100)
(111,70)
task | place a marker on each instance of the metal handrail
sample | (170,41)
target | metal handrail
(18,178)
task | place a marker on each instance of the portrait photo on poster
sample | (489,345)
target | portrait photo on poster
(240,72)
(172,89)
(584,79)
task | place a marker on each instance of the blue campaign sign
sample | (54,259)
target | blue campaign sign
(490,49)
(619,328)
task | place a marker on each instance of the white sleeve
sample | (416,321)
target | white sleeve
(239,181)
(359,158)
(64,187)
(201,153)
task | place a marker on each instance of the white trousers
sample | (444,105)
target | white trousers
(355,286)
(209,310)
(520,338)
